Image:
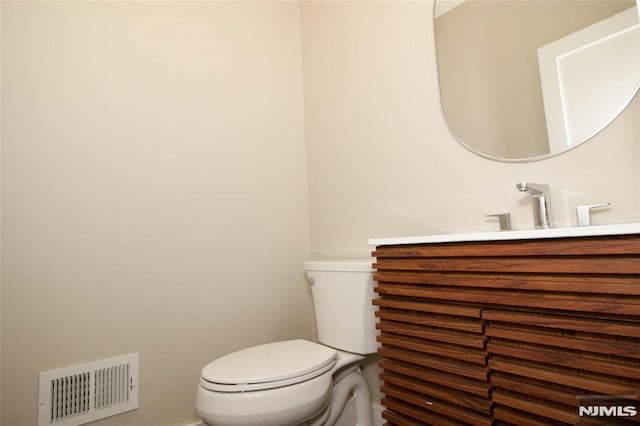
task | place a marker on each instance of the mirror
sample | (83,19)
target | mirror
(523,80)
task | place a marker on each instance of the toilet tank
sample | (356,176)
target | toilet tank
(342,293)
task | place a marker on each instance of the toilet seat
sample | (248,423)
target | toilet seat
(268,366)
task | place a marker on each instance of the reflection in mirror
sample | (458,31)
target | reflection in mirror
(524,80)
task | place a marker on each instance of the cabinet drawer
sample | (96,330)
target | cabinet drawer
(474,386)
(542,362)
(605,304)
(434,365)
(445,335)
(447,365)
(417,405)
(400,413)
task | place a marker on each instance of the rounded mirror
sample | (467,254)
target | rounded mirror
(523,80)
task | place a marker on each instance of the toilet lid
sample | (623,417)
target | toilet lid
(268,366)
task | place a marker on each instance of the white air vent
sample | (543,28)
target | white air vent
(81,394)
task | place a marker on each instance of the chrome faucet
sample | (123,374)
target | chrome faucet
(539,201)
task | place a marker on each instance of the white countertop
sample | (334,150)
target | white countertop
(579,231)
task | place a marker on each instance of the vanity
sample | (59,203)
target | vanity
(536,327)
(507,327)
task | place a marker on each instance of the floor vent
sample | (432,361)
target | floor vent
(88,392)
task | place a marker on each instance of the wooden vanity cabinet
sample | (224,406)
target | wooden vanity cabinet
(508,332)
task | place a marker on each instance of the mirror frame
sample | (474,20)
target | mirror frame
(632,97)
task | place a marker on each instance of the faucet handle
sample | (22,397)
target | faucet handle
(504,219)
(584,213)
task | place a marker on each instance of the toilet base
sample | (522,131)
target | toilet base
(320,411)
(352,386)
(291,405)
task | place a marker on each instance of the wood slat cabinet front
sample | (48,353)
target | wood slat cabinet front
(510,332)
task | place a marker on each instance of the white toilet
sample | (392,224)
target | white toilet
(298,382)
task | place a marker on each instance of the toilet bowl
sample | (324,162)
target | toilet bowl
(298,382)
(291,383)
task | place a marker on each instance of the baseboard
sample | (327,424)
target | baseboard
(196,424)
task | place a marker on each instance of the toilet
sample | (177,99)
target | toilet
(298,382)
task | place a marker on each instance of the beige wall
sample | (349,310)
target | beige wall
(381,161)
(154,192)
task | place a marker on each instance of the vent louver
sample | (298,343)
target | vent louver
(84,393)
